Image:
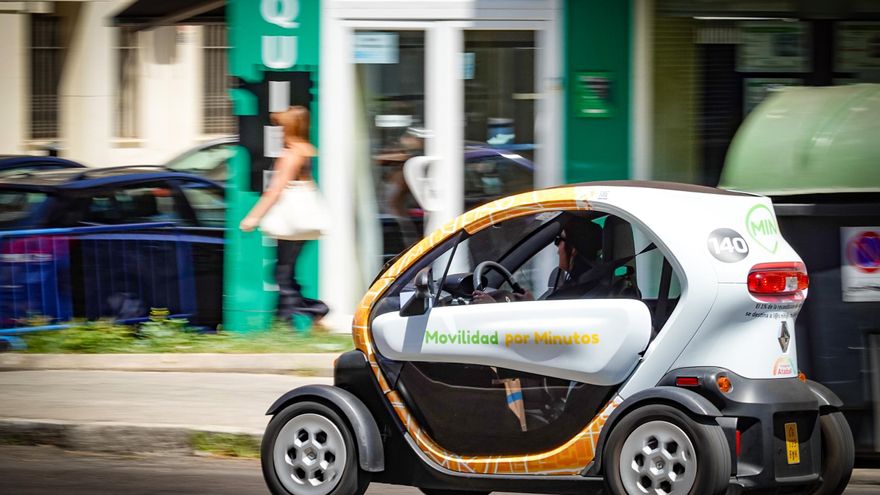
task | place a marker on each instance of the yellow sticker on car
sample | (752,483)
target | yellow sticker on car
(791,443)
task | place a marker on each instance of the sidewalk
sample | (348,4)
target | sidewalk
(146,402)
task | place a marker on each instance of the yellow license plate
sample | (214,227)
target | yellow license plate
(791,443)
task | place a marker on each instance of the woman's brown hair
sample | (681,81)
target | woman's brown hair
(295,121)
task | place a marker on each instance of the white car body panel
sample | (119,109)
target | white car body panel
(709,284)
(589,341)
(744,338)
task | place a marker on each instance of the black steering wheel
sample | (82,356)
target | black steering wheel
(508,277)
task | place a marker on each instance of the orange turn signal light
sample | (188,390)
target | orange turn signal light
(724,384)
(802,377)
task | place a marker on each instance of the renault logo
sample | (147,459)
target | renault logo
(784,337)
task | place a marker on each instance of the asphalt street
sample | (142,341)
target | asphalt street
(50,470)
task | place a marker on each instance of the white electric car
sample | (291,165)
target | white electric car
(615,337)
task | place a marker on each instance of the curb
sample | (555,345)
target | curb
(309,364)
(118,438)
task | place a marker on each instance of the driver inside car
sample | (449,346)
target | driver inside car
(578,247)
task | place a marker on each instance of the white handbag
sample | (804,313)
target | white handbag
(299,214)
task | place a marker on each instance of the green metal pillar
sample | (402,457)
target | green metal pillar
(274,51)
(598,63)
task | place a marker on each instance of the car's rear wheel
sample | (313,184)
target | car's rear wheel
(308,449)
(660,449)
(838,454)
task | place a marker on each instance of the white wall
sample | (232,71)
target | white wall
(13,33)
(170,86)
(86,92)
(169,108)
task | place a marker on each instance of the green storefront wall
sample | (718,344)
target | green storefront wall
(598,63)
(262,34)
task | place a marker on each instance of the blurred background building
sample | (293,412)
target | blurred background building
(108,95)
(500,95)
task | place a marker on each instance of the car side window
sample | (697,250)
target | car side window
(403,287)
(561,255)
(522,247)
(18,207)
(207,202)
(140,203)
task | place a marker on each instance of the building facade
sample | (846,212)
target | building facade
(105,95)
(571,90)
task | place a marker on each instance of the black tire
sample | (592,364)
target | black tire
(838,454)
(351,481)
(434,491)
(711,451)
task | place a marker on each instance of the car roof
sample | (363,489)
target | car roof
(225,140)
(8,162)
(92,177)
(656,184)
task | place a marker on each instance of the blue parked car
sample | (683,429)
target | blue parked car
(110,242)
(22,163)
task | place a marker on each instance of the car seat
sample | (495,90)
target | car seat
(144,207)
(618,245)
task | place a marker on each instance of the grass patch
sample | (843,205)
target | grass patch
(161,335)
(226,444)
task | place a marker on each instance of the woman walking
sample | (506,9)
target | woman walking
(294,165)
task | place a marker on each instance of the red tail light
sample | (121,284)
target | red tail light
(687,381)
(778,279)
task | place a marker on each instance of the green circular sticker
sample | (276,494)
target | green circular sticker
(762,228)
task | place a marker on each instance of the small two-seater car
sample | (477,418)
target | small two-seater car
(610,337)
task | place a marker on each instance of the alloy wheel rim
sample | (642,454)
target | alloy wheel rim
(658,458)
(309,455)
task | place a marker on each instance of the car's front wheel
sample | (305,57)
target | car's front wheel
(308,449)
(660,449)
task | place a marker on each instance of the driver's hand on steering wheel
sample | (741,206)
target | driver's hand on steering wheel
(480,297)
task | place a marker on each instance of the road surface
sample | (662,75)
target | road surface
(50,470)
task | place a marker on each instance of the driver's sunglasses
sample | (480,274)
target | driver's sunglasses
(558,240)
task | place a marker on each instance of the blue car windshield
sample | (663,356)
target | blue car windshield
(18,208)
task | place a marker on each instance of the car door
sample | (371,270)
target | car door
(128,257)
(511,373)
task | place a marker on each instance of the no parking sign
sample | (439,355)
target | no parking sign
(860,263)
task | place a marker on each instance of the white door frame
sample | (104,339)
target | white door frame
(340,284)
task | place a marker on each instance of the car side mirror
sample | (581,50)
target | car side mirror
(420,302)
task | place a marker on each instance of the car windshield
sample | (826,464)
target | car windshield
(17,208)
